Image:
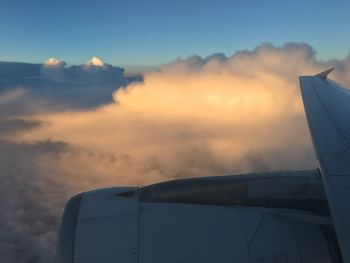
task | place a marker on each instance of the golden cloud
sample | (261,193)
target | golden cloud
(193,117)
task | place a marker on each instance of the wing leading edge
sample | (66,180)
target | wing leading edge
(327,108)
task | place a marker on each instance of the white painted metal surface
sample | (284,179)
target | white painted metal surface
(107,229)
(327,107)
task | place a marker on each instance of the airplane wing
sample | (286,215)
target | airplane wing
(327,108)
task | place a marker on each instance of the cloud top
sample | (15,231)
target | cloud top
(95,61)
(95,71)
(54,62)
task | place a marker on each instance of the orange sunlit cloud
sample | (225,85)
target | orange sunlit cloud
(215,118)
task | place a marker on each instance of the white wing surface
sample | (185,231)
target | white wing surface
(327,108)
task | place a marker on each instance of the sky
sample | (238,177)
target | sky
(222,97)
(134,33)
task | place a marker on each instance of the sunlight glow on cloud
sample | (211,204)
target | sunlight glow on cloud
(54,62)
(95,61)
(197,117)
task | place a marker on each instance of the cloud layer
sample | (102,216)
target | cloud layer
(94,72)
(54,86)
(193,117)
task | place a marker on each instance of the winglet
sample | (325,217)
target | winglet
(325,73)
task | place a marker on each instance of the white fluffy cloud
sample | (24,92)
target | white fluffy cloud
(54,62)
(95,61)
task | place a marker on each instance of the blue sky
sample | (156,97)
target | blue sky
(150,32)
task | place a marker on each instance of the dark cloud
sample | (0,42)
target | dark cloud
(14,72)
(13,126)
(31,203)
(55,86)
(86,75)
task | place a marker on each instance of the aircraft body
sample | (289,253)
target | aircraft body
(274,217)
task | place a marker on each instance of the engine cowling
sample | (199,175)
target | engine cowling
(115,225)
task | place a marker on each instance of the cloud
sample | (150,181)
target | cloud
(193,117)
(30,201)
(94,72)
(202,116)
(11,96)
(14,72)
(13,126)
(95,62)
(54,86)
(54,62)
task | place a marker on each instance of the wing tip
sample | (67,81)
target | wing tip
(324,74)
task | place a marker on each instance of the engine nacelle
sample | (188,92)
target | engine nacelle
(115,225)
